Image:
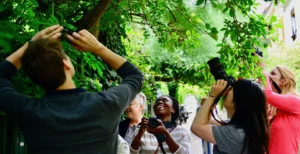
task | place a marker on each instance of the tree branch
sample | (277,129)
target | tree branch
(189,20)
(172,14)
(93,17)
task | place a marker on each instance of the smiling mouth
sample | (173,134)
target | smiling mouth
(160,107)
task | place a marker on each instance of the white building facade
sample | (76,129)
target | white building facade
(289,16)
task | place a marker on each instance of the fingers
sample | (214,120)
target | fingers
(56,36)
(84,32)
(77,37)
(51,29)
(221,82)
(218,86)
(50,32)
(54,32)
(73,39)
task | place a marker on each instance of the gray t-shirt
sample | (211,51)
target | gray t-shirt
(229,140)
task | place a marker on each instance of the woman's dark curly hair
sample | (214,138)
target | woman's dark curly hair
(175,115)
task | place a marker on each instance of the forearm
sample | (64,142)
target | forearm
(173,145)
(203,115)
(15,58)
(135,144)
(111,58)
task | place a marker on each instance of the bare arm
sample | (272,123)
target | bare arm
(200,125)
(85,41)
(136,142)
(173,145)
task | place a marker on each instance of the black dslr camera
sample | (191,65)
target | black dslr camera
(153,123)
(258,51)
(217,70)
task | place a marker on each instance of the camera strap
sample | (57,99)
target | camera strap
(276,86)
(160,142)
(160,145)
(217,99)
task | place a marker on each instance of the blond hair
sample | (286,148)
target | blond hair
(289,76)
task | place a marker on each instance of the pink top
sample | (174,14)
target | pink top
(285,129)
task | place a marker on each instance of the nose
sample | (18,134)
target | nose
(159,102)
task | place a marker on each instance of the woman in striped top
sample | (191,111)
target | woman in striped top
(162,135)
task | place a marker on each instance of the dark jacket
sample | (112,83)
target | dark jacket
(70,121)
(123,127)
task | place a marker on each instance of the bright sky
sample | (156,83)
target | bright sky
(261,8)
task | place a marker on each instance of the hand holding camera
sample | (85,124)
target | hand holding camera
(218,87)
(217,70)
(157,128)
(85,41)
(53,32)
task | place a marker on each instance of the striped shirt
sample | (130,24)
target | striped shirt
(130,132)
(149,142)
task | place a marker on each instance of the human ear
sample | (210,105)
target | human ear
(141,107)
(283,82)
(66,63)
(173,110)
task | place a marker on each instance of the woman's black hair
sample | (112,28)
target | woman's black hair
(251,115)
(175,115)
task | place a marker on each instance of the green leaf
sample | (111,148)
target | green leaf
(214,30)
(69,26)
(225,9)
(188,33)
(34,2)
(283,1)
(248,44)
(54,20)
(279,25)
(273,19)
(5,45)
(199,2)
(214,36)
(232,12)
(207,26)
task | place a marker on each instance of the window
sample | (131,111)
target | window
(294,28)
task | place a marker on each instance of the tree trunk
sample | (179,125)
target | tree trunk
(91,20)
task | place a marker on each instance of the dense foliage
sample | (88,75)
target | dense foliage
(169,40)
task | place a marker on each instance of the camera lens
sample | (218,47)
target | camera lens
(216,69)
(153,123)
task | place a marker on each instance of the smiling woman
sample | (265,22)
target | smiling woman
(134,113)
(166,136)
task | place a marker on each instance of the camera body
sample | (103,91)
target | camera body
(153,123)
(258,51)
(217,70)
(64,32)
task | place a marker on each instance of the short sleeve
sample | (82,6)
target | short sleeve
(228,138)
